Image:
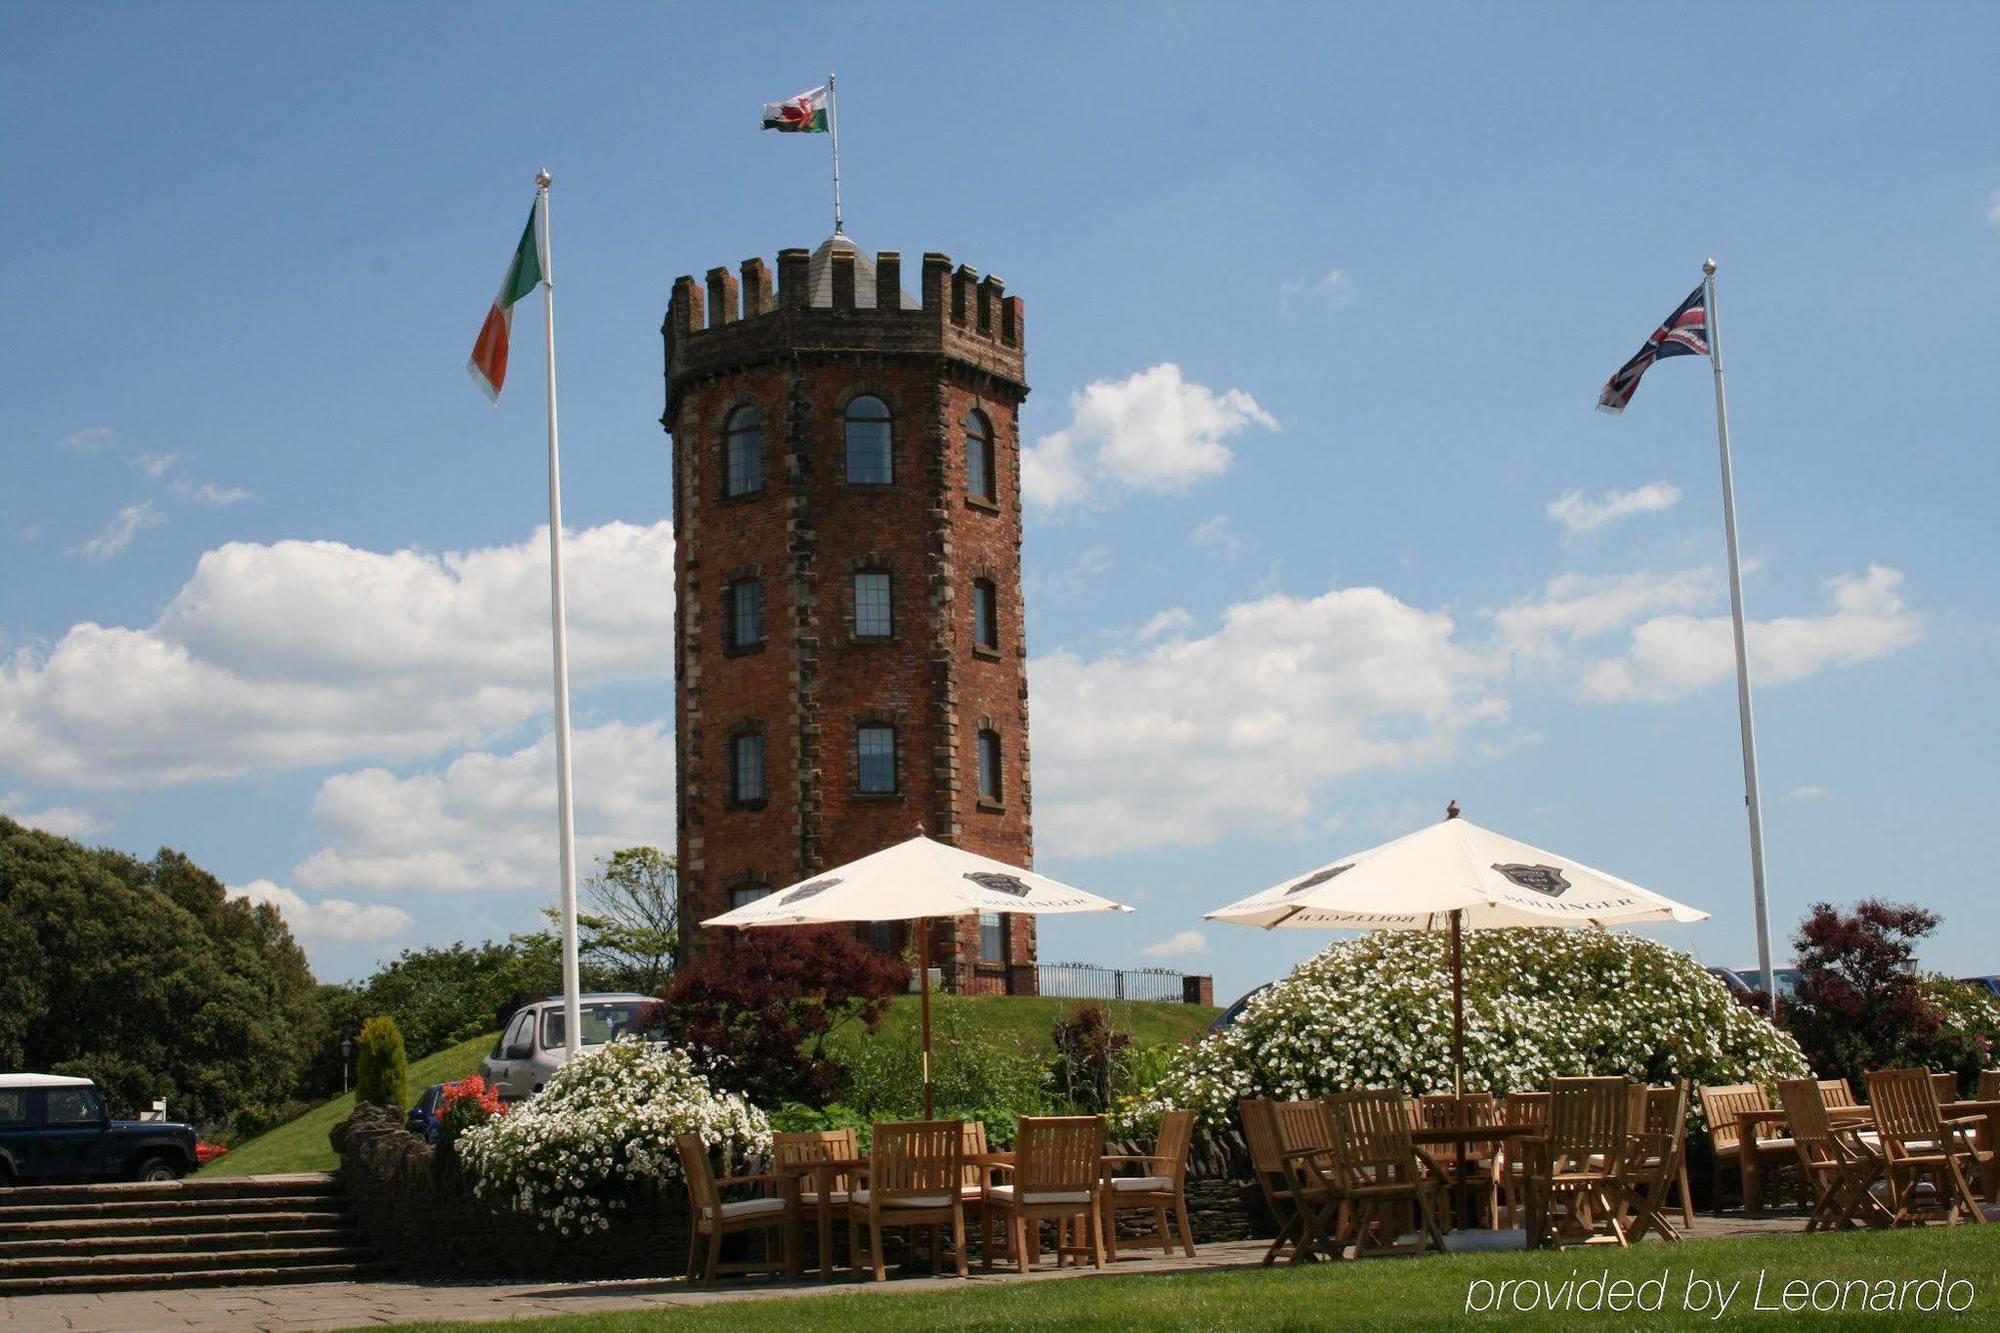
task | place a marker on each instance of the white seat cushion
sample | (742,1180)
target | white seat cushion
(746,1208)
(1006,1192)
(861,1197)
(833,1196)
(1776,1145)
(1145,1184)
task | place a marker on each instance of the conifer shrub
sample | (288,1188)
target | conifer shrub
(381,1065)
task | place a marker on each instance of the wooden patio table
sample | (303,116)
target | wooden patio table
(1463,1136)
(823,1174)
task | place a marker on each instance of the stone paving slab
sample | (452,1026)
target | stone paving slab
(347,1305)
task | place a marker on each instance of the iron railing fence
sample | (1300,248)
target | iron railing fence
(1088,981)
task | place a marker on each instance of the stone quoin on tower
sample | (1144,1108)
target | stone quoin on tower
(849,660)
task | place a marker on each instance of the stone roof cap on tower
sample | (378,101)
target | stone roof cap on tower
(819,275)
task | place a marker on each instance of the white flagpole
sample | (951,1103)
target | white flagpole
(1750,796)
(833,128)
(565,812)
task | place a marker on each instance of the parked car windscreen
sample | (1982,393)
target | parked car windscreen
(601,1022)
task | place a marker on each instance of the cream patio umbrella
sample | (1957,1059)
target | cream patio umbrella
(1456,876)
(914,880)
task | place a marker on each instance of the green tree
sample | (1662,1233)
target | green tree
(633,929)
(382,1065)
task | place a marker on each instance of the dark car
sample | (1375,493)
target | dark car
(1991,985)
(1227,1018)
(54,1128)
(423,1118)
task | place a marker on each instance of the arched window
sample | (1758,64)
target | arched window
(985,615)
(875,758)
(744,894)
(868,442)
(979,478)
(989,765)
(743,452)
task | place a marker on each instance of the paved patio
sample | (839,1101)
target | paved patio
(361,1304)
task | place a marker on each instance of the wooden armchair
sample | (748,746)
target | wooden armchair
(1517,1110)
(1919,1144)
(1384,1169)
(1989,1085)
(791,1156)
(1837,1095)
(1946,1086)
(1161,1189)
(1837,1161)
(1575,1173)
(914,1173)
(1658,1165)
(713,1219)
(975,1175)
(1057,1172)
(1469,1111)
(1315,1177)
(1756,1157)
(1267,1165)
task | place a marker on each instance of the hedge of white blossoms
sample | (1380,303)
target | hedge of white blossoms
(601,1132)
(1375,1012)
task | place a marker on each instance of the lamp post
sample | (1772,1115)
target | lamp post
(346,1053)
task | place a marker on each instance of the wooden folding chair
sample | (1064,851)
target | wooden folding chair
(1472,1110)
(1314,1177)
(1755,1158)
(803,1150)
(1837,1095)
(713,1218)
(1057,1171)
(1267,1165)
(1658,1165)
(1382,1169)
(1517,1111)
(913,1176)
(1946,1086)
(1918,1145)
(1839,1165)
(1989,1086)
(1576,1170)
(1162,1189)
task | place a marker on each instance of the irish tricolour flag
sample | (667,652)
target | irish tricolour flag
(804,114)
(489,355)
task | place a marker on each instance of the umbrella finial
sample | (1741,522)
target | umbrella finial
(1451,811)
(920,828)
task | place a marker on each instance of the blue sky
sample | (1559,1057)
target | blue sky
(1319,300)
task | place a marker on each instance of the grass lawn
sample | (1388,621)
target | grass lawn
(1425,1292)
(300,1145)
(1026,1019)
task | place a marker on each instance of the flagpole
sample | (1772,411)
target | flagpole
(833,127)
(565,811)
(1749,726)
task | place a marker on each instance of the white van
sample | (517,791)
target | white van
(534,1044)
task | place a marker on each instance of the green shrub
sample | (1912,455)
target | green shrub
(1969,1036)
(974,1076)
(381,1065)
(1539,1003)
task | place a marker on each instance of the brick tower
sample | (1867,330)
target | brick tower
(848,658)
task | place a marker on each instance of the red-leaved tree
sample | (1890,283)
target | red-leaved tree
(755,1007)
(1859,1005)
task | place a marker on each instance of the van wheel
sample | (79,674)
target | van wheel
(159,1170)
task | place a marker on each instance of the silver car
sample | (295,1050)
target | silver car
(534,1044)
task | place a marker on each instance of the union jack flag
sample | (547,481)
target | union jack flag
(1684,334)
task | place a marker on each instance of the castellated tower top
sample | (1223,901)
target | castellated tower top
(835,299)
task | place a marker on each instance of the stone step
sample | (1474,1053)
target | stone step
(12,1212)
(170,1264)
(188,1278)
(181,1224)
(195,1187)
(153,1242)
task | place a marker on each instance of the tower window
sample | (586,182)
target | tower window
(746,768)
(868,440)
(985,614)
(874,614)
(989,766)
(979,481)
(745,894)
(875,755)
(992,937)
(743,614)
(743,452)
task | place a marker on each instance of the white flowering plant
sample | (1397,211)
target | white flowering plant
(1375,1012)
(601,1134)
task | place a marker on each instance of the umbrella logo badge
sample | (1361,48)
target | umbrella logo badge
(1313,881)
(999,883)
(812,890)
(1542,879)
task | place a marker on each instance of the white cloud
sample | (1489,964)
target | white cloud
(1580,515)
(119,532)
(1179,945)
(488,821)
(1672,656)
(208,494)
(304,654)
(65,821)
(1152,431)
(89,440)
(1333,285)
(329,919)
(1170,621)
(156,465)
(1809,793)
(1572,607)
(1217,534)
(1993,208)
(1177,742)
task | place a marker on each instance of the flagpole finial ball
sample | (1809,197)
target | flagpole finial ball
(1708,266)
(542,178)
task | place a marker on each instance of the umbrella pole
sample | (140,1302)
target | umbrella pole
(924,990)
(1457,1003)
